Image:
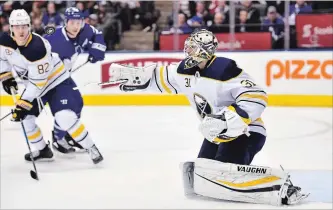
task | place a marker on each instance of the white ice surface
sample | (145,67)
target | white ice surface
(143,147)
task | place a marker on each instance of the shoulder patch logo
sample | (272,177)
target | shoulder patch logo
(247,83)
(49,30)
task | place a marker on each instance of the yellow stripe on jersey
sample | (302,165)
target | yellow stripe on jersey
(259,120)
(257,96)
(29,40)
(78,131)
(210,63)
(41,84)
(35,135)
(5,76)
(218,140)
(166,88)
(56,72)
(251,183)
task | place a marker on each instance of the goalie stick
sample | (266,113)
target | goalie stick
(118,82)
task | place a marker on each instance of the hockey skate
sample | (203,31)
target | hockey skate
(293,194)
(61,145)
(45,154)
(77,147)
(95,155)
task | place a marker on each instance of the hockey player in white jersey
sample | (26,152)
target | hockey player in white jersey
(47,80)
(229,104)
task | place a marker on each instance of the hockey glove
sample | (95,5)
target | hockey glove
(21,110)
(226,125)
(8,82)
(96,53)
(131,78)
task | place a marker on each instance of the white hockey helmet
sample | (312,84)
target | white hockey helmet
(199,46)
(19,17)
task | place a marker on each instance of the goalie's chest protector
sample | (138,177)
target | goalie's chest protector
(204,88)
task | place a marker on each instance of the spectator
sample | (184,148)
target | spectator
(7,9)
(90,7)
(36,12)
(274,24)
(37,26)
(51,17)
(183,27)
(80,6)
(220,6)
(201,13)
(93,20)
(217,26)
(26,5)
(5,28)
(3,20)
(108,25)
(148,15)
(195,22)
(300,7)
(253,14)
(243,24)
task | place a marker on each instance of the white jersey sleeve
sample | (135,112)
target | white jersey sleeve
(248,95)
(5,67)
(164,79)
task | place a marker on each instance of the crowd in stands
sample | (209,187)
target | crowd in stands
(250,16)
(115,17)
(111,17)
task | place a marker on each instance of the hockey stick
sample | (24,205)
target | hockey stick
(102,83)
(79,66)
(5,116)
(34,173)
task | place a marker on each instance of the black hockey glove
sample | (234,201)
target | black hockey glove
(21,110)
(8,82)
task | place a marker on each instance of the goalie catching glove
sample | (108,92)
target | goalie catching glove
(131,78)
(226,125)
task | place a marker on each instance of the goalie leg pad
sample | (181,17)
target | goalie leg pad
(187,175)
(242,183)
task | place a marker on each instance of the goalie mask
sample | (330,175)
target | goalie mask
(199,46)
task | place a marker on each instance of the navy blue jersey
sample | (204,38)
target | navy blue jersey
(87,40)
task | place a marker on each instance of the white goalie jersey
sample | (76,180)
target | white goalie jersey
(219,85)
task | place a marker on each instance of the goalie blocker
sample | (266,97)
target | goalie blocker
(244,183)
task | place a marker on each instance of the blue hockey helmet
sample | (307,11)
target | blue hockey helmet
(73,13)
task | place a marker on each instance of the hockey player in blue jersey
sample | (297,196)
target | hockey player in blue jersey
(69,41)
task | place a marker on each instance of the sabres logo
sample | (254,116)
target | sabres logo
(247,83)
(203,107)
(49,30)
